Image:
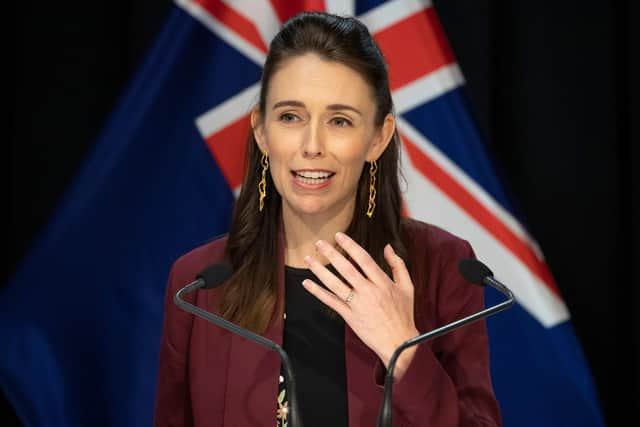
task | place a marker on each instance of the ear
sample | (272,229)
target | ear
(382,138)
(257,127)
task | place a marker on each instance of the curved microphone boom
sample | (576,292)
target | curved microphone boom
(473,271)
(213,276)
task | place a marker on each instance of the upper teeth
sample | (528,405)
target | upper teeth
(314,174)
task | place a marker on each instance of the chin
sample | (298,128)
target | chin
(314,207)
(310,209)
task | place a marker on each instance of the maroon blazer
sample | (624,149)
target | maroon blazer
(211,377)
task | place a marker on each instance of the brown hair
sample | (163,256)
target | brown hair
(250,297)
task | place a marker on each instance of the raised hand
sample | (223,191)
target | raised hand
(377,308)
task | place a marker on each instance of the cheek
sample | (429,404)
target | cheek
(274,143)
(352,155)
(280,142)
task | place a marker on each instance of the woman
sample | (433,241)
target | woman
(324,263)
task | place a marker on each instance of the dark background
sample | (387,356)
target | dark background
(553,86)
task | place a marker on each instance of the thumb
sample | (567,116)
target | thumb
(399,269)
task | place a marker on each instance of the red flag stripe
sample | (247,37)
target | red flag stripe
(285,9)
(413,47)
(463,198)
(228,148)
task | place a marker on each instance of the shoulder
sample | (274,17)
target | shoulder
(177,322)
(434,240)
(434,255)
(187,266)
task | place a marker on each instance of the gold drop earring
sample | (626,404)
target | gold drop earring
(372,188)
(262,185)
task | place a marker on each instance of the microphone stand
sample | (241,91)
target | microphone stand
(295,419)
(384,417)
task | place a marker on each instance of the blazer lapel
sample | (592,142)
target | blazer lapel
(252,382)
(253,370)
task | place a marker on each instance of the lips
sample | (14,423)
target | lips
(312,177)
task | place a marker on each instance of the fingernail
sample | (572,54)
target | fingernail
(320,243)
(340,236)
(307,258)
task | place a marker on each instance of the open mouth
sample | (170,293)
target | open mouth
(312,177)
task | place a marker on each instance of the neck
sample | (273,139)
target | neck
(303,231)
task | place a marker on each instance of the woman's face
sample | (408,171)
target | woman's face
(318,130)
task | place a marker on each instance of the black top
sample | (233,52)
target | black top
(314,340)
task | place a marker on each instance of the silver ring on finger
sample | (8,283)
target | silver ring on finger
(349,297)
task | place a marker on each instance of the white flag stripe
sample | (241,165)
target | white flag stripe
(426,88)
(228,112)
(261,14)
(427,202)
(459,175)
(222,31)
(391,12)
(341,7)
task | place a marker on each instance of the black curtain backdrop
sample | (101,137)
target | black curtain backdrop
(554,89)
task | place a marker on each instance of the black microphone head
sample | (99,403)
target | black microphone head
(215,275)
(474,271)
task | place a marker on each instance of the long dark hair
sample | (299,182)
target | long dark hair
(251,295)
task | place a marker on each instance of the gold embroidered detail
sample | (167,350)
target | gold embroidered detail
(283,410)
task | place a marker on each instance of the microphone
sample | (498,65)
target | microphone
(473,271)
(213,276)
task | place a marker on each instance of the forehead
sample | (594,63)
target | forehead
(311,78)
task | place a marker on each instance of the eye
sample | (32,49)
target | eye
(288,118)
(341,122)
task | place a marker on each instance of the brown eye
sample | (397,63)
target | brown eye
(341,122)
(288,118)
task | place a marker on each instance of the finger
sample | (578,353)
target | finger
(362,258)
(327,298)
(328,278)
(399,270)
(341,264)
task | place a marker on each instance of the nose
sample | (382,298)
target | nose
(313,144)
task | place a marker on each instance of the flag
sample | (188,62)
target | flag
(80,320)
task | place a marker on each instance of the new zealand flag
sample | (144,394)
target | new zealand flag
(80,320)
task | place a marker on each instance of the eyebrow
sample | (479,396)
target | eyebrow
(332,107)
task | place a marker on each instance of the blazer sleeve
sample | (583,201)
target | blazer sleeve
(173,403)
(448,381)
